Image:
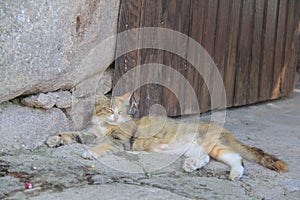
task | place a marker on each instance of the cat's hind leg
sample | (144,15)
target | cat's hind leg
(191,164)
(228,156)
(197,157)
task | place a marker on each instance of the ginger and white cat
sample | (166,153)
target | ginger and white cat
(113,130)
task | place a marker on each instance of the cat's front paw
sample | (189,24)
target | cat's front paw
(61,139)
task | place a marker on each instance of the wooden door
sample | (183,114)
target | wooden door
(252,42)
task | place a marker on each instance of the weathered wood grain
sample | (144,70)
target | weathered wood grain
(253,43)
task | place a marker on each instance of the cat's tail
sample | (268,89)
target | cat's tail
(259,156)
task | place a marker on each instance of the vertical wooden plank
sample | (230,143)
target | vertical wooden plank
(151,93)
(184,8)
(268,51)
(229,79)
(169,101)
(222,35)
(129,18)
(297,16)
(232,46)
(257,48)
(210,27)
(295,46)
(198,14)
(176,18)
(290,49)
(244,54)
(287,49)
(208,43)
(279,49)
(221,41)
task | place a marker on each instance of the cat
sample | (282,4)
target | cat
(114,130)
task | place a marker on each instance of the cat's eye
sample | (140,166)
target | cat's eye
(110,110)
(120,112)
(106,110)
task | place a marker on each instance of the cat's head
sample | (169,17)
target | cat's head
(112,110)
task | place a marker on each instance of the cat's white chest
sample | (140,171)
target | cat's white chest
(102,128)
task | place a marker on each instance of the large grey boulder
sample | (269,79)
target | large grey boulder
(52,56)
(45,45)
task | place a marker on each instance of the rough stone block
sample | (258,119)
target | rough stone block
(64,99)
(49,46)
(52,45)
(61,99)
(25,128)
(41,100)
(105,82)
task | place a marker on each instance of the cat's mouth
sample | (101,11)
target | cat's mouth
(113,122)
(117,122)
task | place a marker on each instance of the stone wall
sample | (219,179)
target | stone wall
(53,55)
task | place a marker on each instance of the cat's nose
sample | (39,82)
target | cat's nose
(116,118)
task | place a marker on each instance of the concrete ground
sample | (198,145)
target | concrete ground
(63,173)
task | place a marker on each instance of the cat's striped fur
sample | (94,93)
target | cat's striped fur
(113,130)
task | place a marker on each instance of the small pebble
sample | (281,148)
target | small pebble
(91,167)
(272,106)
(28,185)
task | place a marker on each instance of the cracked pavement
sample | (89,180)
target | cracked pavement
(62,173)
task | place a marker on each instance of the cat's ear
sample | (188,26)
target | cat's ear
(125,98)
(100,98)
